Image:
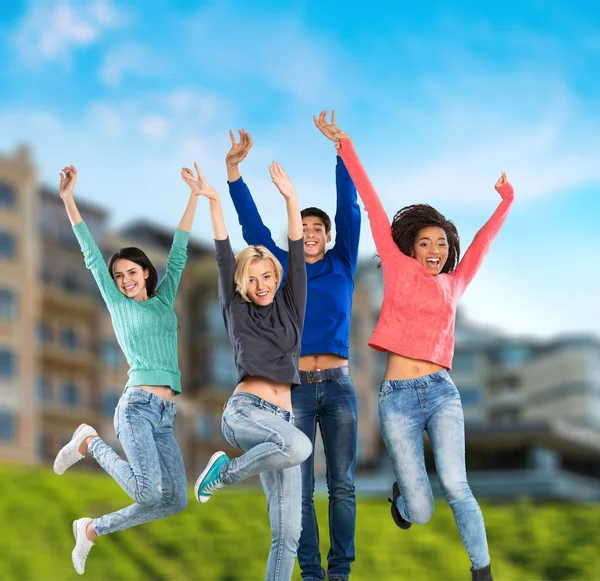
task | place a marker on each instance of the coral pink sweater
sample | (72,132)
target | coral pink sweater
(419,309)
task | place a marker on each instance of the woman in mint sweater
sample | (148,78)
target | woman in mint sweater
(145,325)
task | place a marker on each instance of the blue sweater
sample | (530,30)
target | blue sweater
(330,281)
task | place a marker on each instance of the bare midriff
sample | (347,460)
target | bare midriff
(321,361)
(163,391)
(279,394)
(399,367)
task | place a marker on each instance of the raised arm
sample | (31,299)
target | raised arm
(347,216)
(482,242)
(178,255)
(380,223)
(294,288)
(254,230)
(225,258)
(94,260)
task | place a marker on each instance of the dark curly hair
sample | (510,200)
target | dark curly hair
(410,220)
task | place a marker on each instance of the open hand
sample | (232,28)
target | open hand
(68,177)
(329,130)
(503,186)
(282,181)
(239,150)
(198,185)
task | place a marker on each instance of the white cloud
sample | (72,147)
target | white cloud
(154,126)
(273,47)
(133,59)
(50,30)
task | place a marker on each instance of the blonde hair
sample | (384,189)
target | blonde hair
(248,257)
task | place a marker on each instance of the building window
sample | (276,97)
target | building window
(44,390)
(7,196)
(110,399)
(471,396)
(464,362)
(223,369)
(111,354)
(44,333)
(204,426)
(513,355)
(69,283)
(7,426)
(69,339)
(8,305)
(7,364)
(44,446)
(7,245)
(69,394)
(214,319)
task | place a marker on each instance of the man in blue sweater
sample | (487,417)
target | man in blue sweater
(326,397)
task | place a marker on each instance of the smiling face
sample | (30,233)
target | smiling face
(262,282)
(130,279)
(431,249)
(315,238)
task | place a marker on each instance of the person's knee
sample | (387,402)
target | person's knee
(148,495)
(419,512)
(456,490)
(296,449)
(180,501)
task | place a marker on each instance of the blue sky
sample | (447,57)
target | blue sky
(438,97)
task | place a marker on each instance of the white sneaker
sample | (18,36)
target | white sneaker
(83,545)
(69,454)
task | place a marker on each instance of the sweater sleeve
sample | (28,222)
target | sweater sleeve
(94,261)
(175,264)
(347,216)
(482,242)
(380,224)
(226,270)
(254,230)
(294,288)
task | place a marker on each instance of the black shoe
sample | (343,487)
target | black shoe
(400,522)
(483,574)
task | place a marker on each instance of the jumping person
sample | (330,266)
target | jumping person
(423,281)
(145,325)
(264,327)
(326,396)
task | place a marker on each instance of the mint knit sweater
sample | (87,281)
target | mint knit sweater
(146,330)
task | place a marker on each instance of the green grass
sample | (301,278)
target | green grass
(228,538)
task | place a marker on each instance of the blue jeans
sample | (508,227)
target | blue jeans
(331,405)
(431,403)
(274,449)
(155,476)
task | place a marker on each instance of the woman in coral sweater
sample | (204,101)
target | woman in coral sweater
(423,281)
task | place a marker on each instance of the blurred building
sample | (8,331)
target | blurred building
(60,364)
(532,413)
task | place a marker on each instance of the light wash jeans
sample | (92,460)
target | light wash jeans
(332,406)
(274,449)
(154,477)
(431,403)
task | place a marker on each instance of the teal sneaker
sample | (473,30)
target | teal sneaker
(210,480)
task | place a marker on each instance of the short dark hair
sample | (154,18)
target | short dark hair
(410,220)
(139,257)
(318,213)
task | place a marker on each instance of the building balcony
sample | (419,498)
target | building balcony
(500,485)
(56,356)
(57,416)
(504,398)
(57,300)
